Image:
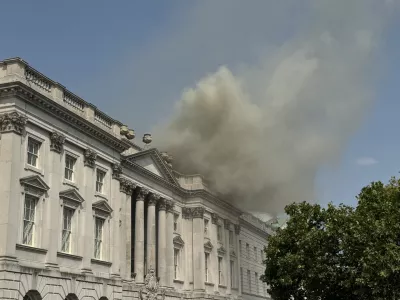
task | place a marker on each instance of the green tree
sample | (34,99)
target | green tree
(338,252)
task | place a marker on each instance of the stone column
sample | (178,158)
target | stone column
(198,249)
(151,231)
(12,125)
(170,244)
(52,218)
(126,188)
(237,232)
(162,242)
(86,239)
(227,225)
(139,236)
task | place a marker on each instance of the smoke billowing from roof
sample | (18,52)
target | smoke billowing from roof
(260,134)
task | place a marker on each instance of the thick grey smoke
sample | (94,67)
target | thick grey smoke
(260,134)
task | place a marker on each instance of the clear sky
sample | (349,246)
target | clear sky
(132,59)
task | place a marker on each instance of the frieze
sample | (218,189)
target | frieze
(198,212)
(162,204)
(143,192)
(57,141)
(153,199)
(126,186)
(214,218)
(116,171)
(227,224)
(237,228)
(90,157)
(13,122)
(170,206)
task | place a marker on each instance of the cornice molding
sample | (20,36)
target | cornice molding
(19,89)
(253,228)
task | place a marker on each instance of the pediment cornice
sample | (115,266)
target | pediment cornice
(34,184)
(72,195)
(102,206)
(178,241)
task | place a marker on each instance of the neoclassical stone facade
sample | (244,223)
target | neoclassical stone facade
(88,214)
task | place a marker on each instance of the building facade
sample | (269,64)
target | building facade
(87,214)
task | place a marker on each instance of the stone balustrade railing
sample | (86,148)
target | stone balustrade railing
(16,69)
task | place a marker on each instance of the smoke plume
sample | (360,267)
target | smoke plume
(261,133)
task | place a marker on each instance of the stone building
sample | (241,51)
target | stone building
(88,214)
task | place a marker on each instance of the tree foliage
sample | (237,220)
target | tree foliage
(338,252)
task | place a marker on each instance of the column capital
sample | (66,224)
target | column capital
(170,206)
(153,198)
(116,171)
(214,218)
(162,204)
(237,228)
(227,224)
(143,192)
(13,122)
(90,157)
(198,212)
(57,141)
(126,186)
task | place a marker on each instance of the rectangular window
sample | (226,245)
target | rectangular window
(219,232)
(207,260)
(248,250)
(240,247)
(256,279)
(230,238)
(241,277)
(67,230)
(219,270)
(69,168)
(262,255)
(255,253)
(100,175)
(232,269)
(98,237)
(249,280)
(176,217)
(176,263)
(29,220)
(205,227)
(33,152)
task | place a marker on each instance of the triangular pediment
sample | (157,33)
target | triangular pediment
(151,161)
(36,182)
(208,246)
(221,250)
(72,194)
(103,206)
(178,241)
(232,253)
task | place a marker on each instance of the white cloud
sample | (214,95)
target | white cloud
(366,161)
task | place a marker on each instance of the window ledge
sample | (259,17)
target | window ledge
(100,195)
(33,169)
(31,248)
(178,281)
(222,286)
(69,255)
(209,283)
(101,262)
(70,183)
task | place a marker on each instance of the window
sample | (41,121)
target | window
(66,230)
(256,279)
(29,220)
(219,232)
(206,227)
(232,269)
(69,168)
(219,270)
(240,247)
(98,237)
(176,263)
(33,152)
(176,217)
(100,181)
(241,277)
(248,250)
(230,238)
(255,253)
(207,261)
(249,280)
(261,255)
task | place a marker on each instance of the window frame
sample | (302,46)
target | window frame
(207,266)
(220,270)
(220,236)
(100,255)
(73,170)
(39,168)
(35,200)
(103,191)
(70,230)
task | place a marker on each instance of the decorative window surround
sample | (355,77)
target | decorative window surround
(103,211)
(41,154)
(77,169)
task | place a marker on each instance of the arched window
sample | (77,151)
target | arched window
(32,295)
(71,297)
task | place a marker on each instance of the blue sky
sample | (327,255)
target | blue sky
(133,60)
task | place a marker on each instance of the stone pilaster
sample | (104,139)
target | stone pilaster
(227,226)
(239,284)
(162,242)
(198,249)
(169,243)
(139,236)
(151,231)
(12,125)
